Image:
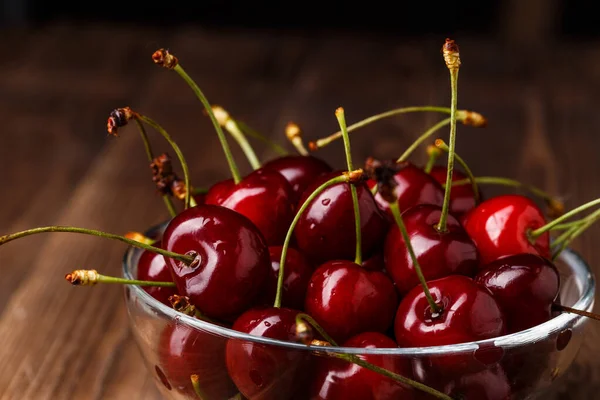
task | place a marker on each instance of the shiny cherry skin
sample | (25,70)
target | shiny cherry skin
(525,286)
(337,379)
(325,230)
(263,371)
(439,254)
(462,197)
(469,313)
(265,197)
(152,267)
(375,262)
(232,262)
(295,278)
(414,187)
(346,299)
(499,227)
(299,171)
(184,351)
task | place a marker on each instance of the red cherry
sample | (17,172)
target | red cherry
(295,281)
(200,198)
(345,299)
(184,351)
(499,227)
(469,313)
(152,267)
(325,231)
(524,285)
(462,197)
(263,371)
(375,262)
(414,187)
(232,260)
(439,254)
(487,384)
(337,379)
(299,171)
(264,196)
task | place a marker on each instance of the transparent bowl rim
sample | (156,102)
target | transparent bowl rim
(520,339)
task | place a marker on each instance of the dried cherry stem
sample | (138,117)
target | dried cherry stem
(259,136)
(434,153)
(440,144)
(435,308)
(352,358)
(163,58)
(555,206)
(573,232)
(195,379)
(305,323)
(560,307)
(467,117)
(70,229)
(91,277)
(346,177)
(426,135)
(234,130)
(339,114)
(533,235)
(294,135)
(452,60)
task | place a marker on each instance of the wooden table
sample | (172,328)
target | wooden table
(59,83)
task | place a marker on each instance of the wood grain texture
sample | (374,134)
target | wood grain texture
(60,83)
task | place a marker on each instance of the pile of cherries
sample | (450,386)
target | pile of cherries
(392,255)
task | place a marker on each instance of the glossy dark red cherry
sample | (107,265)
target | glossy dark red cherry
(264,196)
(439,254)
(487,384)
(325,231)
(184,351)
(462,197)
(375,262)
(232,262)
(346,299)
(295,278)
(525,286)
(499,227)
(153,267)
(413,186)
(469,313)
(263,371)
(300,171)
(337,379)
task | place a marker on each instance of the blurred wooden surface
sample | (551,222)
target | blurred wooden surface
(58,85)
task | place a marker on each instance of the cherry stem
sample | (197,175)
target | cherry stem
(186,173)
(294,135)
(70,229)
(426,135)
(540,231)
(90,277)
(150,154)
(196,190)
(235,173)
(302,318)
(339,114)
(338,179)
(560,307)
(452,59)
(434,153)
(259,136)
(577,229)
(440,144)
(435,308)
(234,130)
(195,379)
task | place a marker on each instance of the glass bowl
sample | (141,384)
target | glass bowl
(518,366)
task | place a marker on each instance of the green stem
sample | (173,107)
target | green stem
(540,231)
(441,226)
(169,205)
(433,153)
(123,281)
(176,256)
(199,190)
(235,173)
(258,136)
(427,134)
(184,166)
(567,237)
(288,237)
(435,309)
(443,146)
(357,226)
(195,379)
(302,317)
(234,130)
